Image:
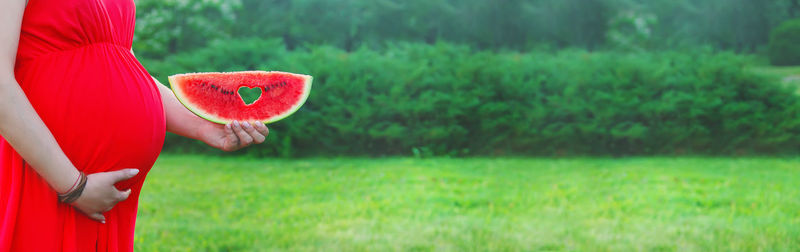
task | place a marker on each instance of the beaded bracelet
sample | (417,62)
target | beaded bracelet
(71,196)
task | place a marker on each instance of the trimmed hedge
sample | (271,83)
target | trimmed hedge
(784,44)
(447,99)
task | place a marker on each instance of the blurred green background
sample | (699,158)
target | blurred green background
(474,125)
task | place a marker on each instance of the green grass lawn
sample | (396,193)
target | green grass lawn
(193,203)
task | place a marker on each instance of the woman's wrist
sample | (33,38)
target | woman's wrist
(67,182)
(74,192)
(205,131)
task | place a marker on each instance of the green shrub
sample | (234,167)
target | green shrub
(784,44)
(446,99)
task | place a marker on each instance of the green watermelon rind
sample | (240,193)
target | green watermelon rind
(176,89)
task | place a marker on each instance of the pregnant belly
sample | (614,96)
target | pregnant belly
(100,104)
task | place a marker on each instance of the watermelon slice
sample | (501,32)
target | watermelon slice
(216,96)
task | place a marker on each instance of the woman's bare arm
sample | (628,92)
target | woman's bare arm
(19,123)
(22,127)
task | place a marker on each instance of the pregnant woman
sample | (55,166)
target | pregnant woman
(82,123)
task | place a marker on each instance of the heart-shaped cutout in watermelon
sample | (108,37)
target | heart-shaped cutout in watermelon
(249,95)
(218,97)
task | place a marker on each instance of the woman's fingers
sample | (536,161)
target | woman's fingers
(229,128)
(123,195)
(244,138)
(98,217)
(262,129)
(123,174)
(257,136)
(242,134)
(230,140)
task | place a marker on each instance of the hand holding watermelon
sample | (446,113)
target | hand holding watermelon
(235,135)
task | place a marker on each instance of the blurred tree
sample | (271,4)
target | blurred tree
(496,24)
(571,23)
(421,20)
(784,44)
(166,27)
(631,30)
(170,26)
(740,25)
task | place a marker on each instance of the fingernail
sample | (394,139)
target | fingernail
(134,171)
(236,123)
(247,125)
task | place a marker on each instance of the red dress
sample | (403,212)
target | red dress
(76,68)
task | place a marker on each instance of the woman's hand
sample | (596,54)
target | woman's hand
(235,135)
(229,137)
(100,195)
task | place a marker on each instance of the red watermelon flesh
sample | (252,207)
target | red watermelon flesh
(215,96)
